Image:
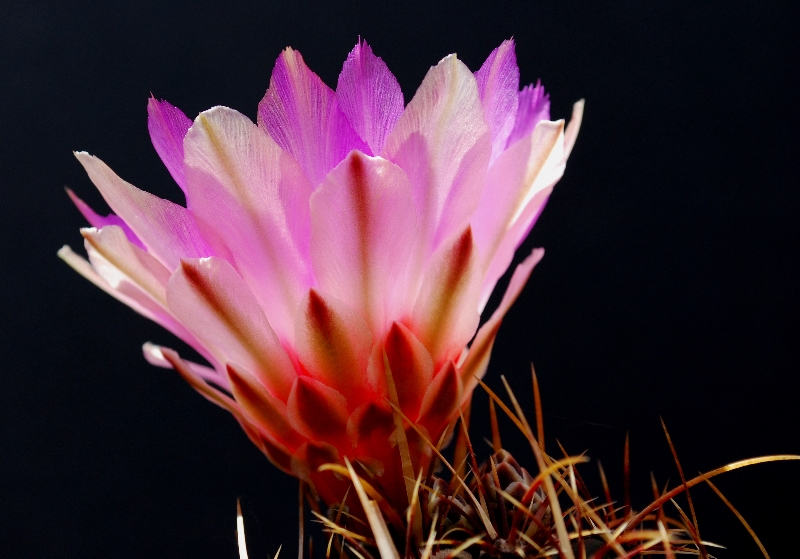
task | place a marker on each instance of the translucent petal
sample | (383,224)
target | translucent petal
(302,115)
(213,301)
(167,230)
(251,202)
(369,96)
(364,239)
(498,86)
(443,144)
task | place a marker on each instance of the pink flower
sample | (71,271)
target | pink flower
(343,233)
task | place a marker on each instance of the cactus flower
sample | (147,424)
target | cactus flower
(335,256)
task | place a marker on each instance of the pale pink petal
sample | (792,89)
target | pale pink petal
(120,260)
(168,126)
(364,238)
(369,96)
(167,230)
(446,311)
(524,173)
(133,297)
(574,126)
(334,343)
(250,199)
(154,355)
(302,115)
(534,106)
(261,408)
(318,411)
(474,366)
(443,144)
(98,221)
(498,86)
(213,301)
(508,246)
(130,275)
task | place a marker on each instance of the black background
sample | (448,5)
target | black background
(668,288)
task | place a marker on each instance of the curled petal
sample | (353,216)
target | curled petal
(441,400)
(212,300)
(364,238)
(251,201)
(446,311)
(317,411)
(333,343)
(167,230)
(443,144)
(369,96)
(498,85)
(302,115)
(477,359)
(168,126)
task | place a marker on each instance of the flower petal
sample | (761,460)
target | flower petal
(370,425)
(498,86)
(305,463)
(317,411)
(168,126)
(126,291)
(154,355)
(278,454)
(167,230)
(524,174)
(411,366)
(441,400)
(334,343)
(98,221)
(574,126)
(120,260)
(369,96)
(534,106)
(195,381)
(260,407)
(302,115)
(251,201)
(474,366)
(137,277)
(446,311)
(222,400)
(364,237)
(443,144)
(213,301)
